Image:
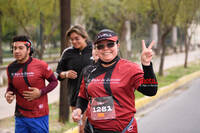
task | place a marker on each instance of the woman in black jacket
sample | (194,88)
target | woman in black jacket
(74,59)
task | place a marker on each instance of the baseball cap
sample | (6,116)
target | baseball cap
(106,34)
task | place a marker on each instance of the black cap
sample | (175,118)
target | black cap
(106,34)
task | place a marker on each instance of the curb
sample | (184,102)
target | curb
(72,130)
(166,89)
(140,103)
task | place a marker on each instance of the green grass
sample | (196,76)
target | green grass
(54,125)
(175,73)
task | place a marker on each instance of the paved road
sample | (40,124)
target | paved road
(177,114)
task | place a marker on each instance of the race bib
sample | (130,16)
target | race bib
(102,108)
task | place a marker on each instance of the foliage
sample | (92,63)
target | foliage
(23,16)
(188,12)
(95,14)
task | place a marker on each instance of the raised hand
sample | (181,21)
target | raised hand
(147,53)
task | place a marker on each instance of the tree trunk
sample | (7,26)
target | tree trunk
(162,58)
(64,105)
(41,37)
(1,51)
(187,47)
(123,46)
(189,33)
(186,52)
(65,19)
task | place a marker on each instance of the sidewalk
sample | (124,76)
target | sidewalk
(176,60)
(7,110)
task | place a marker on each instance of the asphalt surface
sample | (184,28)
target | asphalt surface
(174,114)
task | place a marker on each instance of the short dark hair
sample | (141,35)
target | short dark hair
(26,39)
(20,38)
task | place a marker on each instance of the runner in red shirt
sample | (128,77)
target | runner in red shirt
(26,82)
(107,90)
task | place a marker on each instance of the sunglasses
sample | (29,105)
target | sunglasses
(108,45)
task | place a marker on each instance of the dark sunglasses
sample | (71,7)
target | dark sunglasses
(108,45)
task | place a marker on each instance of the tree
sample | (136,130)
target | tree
(81,11)
(164,13)
(27,16)
(1,51)
(187,14)
(115,17)
(65,20)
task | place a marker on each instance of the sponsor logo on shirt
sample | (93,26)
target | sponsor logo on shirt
(106,81)
(23,74)
(41,106)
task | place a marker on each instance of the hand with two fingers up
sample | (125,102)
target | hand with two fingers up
(147,53)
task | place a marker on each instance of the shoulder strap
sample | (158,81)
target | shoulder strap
(87,76)
(107,85)
(25,72)
(12,69)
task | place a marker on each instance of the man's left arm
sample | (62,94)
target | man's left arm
(53,82)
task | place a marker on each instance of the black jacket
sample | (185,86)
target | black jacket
(74,59)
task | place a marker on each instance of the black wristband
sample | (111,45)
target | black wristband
(82,104)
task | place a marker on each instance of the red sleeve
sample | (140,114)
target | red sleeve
(50,77)
(47,71)
(137,76)
(52,85)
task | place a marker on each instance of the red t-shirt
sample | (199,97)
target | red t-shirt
(37,72)
(125,78)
